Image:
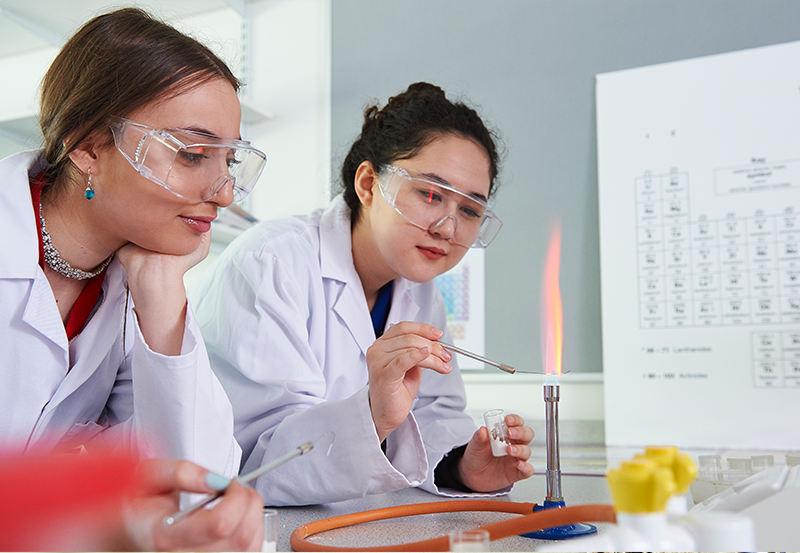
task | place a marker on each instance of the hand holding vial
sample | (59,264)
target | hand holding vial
(491,464)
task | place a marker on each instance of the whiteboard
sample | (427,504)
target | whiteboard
(699,199)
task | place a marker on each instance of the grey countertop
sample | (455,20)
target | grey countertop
(576,490)
(584,462)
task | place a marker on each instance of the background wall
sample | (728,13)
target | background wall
(291,82)
(529,66)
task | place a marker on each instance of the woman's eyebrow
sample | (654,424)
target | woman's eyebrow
(204,131)
(437,178)
(197,129)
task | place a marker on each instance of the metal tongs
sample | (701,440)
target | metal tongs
(476,357)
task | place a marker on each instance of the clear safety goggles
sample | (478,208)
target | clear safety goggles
(192,165)
(438,206)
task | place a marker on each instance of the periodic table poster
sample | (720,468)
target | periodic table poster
(463,291)
(699,195)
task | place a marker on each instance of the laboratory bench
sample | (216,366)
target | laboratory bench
(581,451)
(577,490)
(584,462)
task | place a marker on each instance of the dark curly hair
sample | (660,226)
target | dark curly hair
(407,123)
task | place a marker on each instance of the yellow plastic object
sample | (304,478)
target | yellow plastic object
(683,468)
(641,486)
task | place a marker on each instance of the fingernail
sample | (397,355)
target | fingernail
(447,355)
(217,482)
(438,333)
(448,366)
(424,351)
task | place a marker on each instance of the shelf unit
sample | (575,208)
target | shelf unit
(26,27)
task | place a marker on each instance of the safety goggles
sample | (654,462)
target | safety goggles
(438,206)
(192,165)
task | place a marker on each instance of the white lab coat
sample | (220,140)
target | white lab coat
(287,328)
(57,395)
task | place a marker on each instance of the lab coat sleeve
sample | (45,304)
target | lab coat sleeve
(439,411)
(257,316)
(179,408)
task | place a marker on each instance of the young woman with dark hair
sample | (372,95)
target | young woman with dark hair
(99,347)
(329,322)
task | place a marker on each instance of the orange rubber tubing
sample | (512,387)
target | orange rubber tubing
(529,522)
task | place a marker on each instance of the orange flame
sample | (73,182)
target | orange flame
(552,314)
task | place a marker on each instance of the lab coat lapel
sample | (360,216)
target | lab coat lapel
(20,253)
(103,334)
(404,308)
(336,264)
(351,307)
(41,313)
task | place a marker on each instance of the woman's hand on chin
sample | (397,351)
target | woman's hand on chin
(156,284)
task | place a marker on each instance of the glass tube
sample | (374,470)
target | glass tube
(498,431)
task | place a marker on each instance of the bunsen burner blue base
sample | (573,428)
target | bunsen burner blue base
(560,532)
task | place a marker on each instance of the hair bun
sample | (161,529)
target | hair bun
(426,88)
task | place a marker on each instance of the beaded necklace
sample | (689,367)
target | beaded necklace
(62,267)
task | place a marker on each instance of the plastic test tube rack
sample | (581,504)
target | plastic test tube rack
(713,478)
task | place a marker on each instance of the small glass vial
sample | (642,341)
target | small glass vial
(469,540)
(270,543)
(498,431)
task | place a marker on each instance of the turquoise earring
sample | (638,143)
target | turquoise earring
(89,192)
